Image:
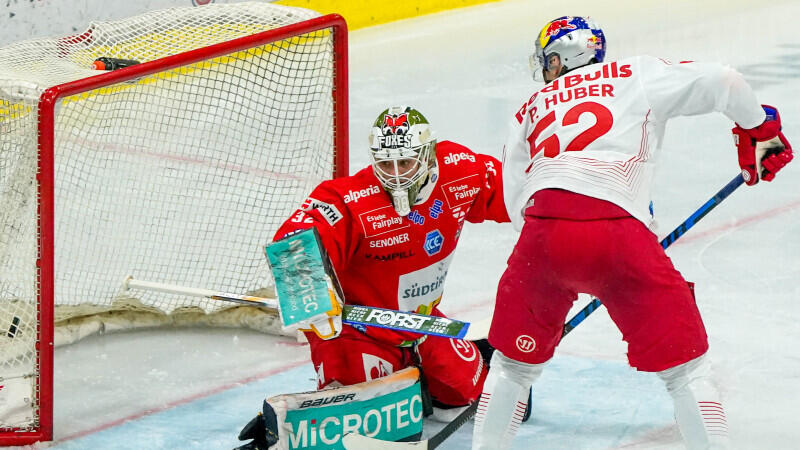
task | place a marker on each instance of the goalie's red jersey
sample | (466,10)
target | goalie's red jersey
(396,262)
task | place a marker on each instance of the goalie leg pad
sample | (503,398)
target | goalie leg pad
(698,409)
(503,402)
(389,408)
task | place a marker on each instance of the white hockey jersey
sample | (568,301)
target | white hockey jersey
(596,130)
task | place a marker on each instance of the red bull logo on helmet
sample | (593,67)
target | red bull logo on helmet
(557,25)
(595,43)
(554,28)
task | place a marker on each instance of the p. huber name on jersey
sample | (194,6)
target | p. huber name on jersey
(575,87)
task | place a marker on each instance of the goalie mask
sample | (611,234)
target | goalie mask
(572,41)
(402,147)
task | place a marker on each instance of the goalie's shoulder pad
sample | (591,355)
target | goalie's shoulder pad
(388,408)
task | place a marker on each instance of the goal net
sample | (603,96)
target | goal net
(178,169)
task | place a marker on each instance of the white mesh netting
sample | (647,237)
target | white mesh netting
(181,176)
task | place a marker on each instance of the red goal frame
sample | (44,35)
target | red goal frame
(45,176)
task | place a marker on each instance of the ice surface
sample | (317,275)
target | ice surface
(466,70)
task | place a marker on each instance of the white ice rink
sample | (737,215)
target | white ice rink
(467,71)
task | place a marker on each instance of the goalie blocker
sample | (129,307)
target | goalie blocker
(309,295)
(389,408)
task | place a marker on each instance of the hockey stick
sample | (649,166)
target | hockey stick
(351,314)
(131,283)
(666,242)
(358,442)
(354,441)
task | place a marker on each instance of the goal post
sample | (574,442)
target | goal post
(178,168)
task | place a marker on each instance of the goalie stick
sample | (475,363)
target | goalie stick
(359,442)
(355,441)
(351,314)
(421,323)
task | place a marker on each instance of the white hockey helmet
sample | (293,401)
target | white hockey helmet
(577,41)
(402,147)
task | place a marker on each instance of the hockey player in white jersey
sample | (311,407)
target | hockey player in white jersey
(577,171)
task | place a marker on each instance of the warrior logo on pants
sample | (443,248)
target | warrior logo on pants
(525,343)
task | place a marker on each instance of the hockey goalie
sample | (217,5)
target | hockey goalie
(390,231)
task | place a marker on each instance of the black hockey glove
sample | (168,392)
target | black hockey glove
(262,429)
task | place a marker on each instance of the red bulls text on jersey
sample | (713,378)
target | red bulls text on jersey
(579,133)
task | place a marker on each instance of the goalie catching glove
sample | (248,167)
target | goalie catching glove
(763,150)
